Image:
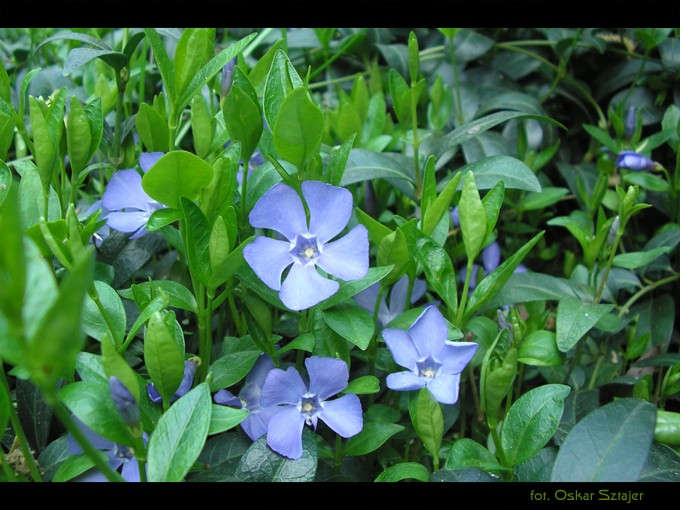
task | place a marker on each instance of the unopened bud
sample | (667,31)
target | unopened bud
(124,401)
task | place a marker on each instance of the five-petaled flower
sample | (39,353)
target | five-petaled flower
(397,303)
(432,360)
(630,160)
(128,204)
(299,403)
(184,386)
(255,424)
(307,246)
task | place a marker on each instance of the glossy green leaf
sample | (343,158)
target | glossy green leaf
(364,385)
(472,217)
(636,259)
(401,97)
(261,464)
(281,80)
(152,129)
(231,368)
(429,422)
(202,126)
(542,200)
(371,437)
(609,445)
(349,289)
(662,465)
(229,266)
(404,471)
(440,205)
(175,175)
(537,468)
(78,136)
(96,323)
(466,453)
(197,241)
(299,128)
(243,115)
(115,365)
(178,296)
(223,418)
(189,55)
(539,348)
(575,318)
(35,416)
(335,169)
(179,436)
(438,269)
(352,323)
(5,403)
(74,466)
(163,358)
(531,422)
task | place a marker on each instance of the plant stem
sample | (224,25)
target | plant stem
(626,307)
(456,85)
(338,453)
(463,297)
(20,434)
(64,416)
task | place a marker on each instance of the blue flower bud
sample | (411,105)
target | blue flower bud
(633,161)
(125,402)
(227,77)
(629,124)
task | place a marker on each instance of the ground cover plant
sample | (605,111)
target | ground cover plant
(339,254)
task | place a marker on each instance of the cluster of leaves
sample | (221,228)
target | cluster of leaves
(577,372)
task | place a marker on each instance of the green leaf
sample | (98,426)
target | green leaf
(349,289)
(299,128)
(335,169)
(242,114)
(575,318)
(51,457)
(662,465)
(609,445)
(179,436)
(371,437)
(229,266)
(165,65)
(539,348)
(403,471)
(115,365)
(647,181)
(376,230)
(492,202)
(197,241)
(223,418)
(35,416)
(95,323)
(78,136)
(537,468)
(636,259)
(92,404)
(202,126)
(75,465)
(438,270)
(541,200)
(466,453)
(429,422)
(261,464)
(231,368)
(5,409)
(163,358)
(189,55)
(352,323)
(472,217)
(463,475)
(152,129)
(178,295)
(401,97)
(175,175)
(531,422)
(441,204)
(78,57)
(365,385)
(494,169)
(281,80)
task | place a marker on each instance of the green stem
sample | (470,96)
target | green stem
(574,362)
(610,262)
(20,434)
(140,455)
(499,447)
(416,141)
(64,416)
(596,371)
(256,42)
(338,453)
(9,473)
(456,84)
(121,82)
(626,307)
(373,345)
(463,297)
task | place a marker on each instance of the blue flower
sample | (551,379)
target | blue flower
(299,403)
(432,360)
(630,160)
(491,258)
(128,204)
(630,122)
(227,76)
(307,246)
(121,458)
(125,402)
(255,424)
(184,386)
(397,302)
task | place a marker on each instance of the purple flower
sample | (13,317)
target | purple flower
(129,205)
(630,123)
(455,217)
(432,360)
(255,424)
(121,458)
(184,386)
(227,76)
(254,162)
(300,403)
(307,246)
(124,401)
(397,302)
(634,161)
(491,258)
(104,232)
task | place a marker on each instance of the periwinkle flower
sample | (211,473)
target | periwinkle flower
(300,403)
(631,160)
(397,299)
(125,402)
(227,76)
(431,360)
(307,246)
(630,122)
(121,458)
(184,386)
(255,424)
(128,204)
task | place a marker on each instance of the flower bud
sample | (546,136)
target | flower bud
(629,125)
(611,235)
(124,401)
(227,77)
(633,161)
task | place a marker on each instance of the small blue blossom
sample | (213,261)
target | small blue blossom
(431,359)
(300,403)
(227,76)
(307,246)
(125,402)
(255,424)
(630,123)
(184,386)
(397,299)
(128,205)
(121,458)
(630,160)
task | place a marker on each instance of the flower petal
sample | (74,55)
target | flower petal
(284,432)
(304,287)
(127,221)
(91,475)
(97,441)
(347,258)
(130,471)
(124,190)
(188,379)
(405,381)
(148,159)
(402,348)
(429,332)
(227,398)
(419,289)
(454,356)
(398,296)
(256,423)
(366,298)
(280,209)
(329,208)
(491,257)
(343,415)
(282,387)
(261,368)
(445,387)
(268,258)
(327,376)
